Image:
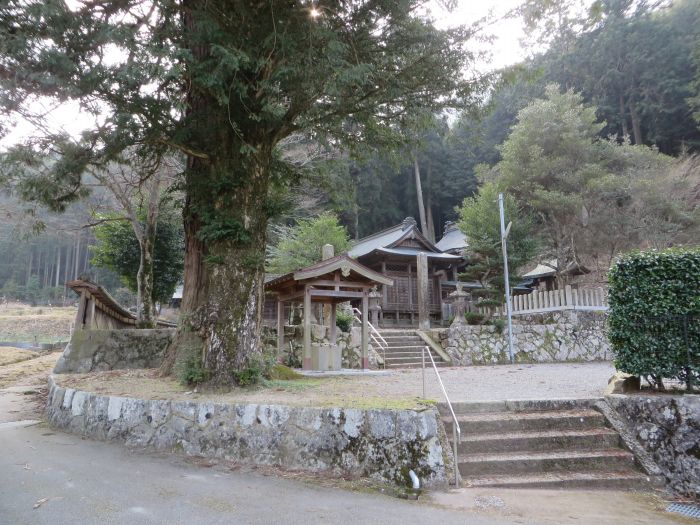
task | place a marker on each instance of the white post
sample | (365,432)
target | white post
(511,353)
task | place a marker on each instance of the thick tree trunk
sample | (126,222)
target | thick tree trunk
(224,277)
(623,117)
(429,206)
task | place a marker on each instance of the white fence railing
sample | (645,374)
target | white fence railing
(593,300)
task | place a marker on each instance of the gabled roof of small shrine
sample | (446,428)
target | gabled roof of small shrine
(453,240)
(342,263)
(392,238)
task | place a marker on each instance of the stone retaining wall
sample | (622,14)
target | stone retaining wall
(95,350)
(382,444)
(538,338)
(668,428)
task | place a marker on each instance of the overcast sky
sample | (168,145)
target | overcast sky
(505,49)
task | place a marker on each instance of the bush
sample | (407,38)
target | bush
(343,320)
(654,321)
(191,371)
(473,317)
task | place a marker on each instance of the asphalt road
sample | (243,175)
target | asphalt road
(76,481)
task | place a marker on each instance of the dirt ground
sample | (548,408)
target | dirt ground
(395,389)
(35,324)
(10,355)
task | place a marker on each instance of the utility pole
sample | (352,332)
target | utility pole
(504,236)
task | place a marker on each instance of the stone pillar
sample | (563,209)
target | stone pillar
(423,298)
(327,252)
(374,306)
(459,304)
(334,327)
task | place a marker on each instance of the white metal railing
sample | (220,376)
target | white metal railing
(374,334)
(456,430)
(592,300)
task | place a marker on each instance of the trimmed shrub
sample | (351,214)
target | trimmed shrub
(654,321)
(343,320)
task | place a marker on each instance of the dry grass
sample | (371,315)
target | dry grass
(338,391)
(40,324)
(29,372)
(10,355)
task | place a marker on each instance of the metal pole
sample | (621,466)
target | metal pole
(455,441)
(422,357)
(511,353)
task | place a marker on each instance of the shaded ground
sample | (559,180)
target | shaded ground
(398,389)
(38,324)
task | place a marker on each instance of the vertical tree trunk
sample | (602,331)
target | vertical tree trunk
(636,125)
(29,267)
(76,256)
(419,196)
(58,266)
(623,117)
(429,206)
(144,280)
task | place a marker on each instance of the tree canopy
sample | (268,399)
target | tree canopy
(301,245)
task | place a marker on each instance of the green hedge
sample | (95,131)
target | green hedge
(654,321)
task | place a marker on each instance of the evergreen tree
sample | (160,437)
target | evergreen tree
(222,81)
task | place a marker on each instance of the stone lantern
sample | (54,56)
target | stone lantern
(459,304)
(374,306)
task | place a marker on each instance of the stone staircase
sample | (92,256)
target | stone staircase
(540,444)
(404,349)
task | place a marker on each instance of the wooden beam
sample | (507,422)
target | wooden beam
(344,284)
(340,295)
(307,329)
(280,327)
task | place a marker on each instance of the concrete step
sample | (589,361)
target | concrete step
(481,423)
(399,352)
(599,479)
(404,341)
(412,364)
(541,462)
(537,441)
(407,348)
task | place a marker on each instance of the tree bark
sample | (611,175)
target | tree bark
(419,195)
(144,281)
(623,117)
(429,206)
(636,125)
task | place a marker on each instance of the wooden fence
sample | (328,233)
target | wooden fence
(593,300)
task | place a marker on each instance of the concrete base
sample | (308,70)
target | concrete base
(326,357)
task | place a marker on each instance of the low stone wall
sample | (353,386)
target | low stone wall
(538,338)
(382,444)
(94,350)
(668,428)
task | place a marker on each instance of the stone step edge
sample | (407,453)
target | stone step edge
(534,434)
(545,455)
(518,405)
(555,477)
(515,416)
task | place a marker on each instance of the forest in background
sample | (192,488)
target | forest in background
(636,64)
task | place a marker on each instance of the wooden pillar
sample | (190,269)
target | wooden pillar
(80,316)
(423,291)
(365,330)
(280,327)
(90,321)
(307,328)
(334,328)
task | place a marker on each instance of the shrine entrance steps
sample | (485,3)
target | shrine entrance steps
(404,347)
(540,444)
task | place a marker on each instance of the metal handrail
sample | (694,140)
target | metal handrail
(381,342)
(456,430)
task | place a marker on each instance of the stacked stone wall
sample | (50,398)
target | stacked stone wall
(537,338)
(668,428)
(381,444)
(98,350)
